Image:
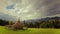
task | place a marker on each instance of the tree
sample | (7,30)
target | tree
(10,23)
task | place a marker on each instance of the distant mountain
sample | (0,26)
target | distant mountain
(51,18)
(40,19)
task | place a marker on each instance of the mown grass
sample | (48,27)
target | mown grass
(3,30)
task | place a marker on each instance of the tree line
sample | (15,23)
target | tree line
(4,22)
(44,24)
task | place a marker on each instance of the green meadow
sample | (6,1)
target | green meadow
(3,30)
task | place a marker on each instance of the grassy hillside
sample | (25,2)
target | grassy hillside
(29,31)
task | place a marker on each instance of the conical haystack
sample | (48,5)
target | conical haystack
(18,25)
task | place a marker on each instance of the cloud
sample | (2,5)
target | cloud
(27,9)
(53,7)
(9,7)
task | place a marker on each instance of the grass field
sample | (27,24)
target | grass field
(29,31)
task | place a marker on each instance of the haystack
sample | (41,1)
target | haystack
(18,25)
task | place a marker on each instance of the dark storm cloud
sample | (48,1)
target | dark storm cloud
(53,10)
(53,7)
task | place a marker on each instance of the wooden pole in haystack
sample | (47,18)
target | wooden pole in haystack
(18,24)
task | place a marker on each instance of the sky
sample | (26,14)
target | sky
(30,9)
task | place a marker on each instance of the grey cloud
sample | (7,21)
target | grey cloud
(37,8)
(54,8)
(42,8)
